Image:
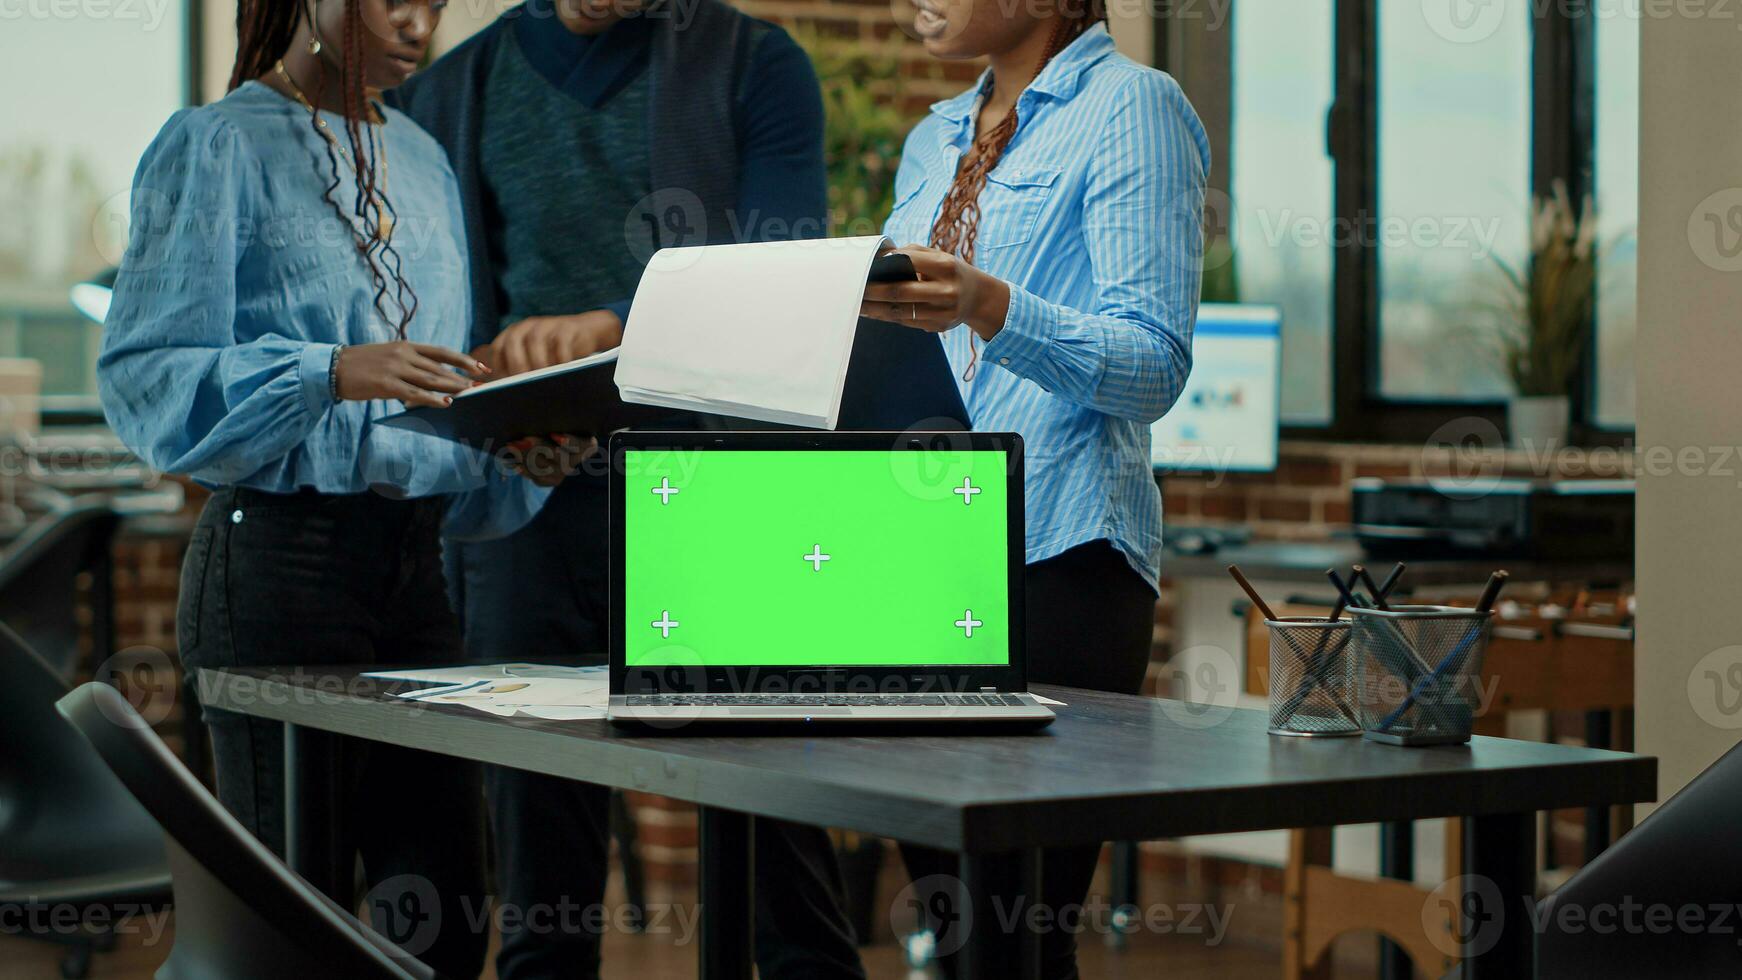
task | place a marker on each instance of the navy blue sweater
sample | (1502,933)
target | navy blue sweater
(735,119)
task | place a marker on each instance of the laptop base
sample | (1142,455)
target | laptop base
(667,711)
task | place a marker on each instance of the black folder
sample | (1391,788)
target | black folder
(897,379)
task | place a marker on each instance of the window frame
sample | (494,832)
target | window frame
(1563,147)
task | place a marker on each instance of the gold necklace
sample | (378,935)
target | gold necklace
(377,149)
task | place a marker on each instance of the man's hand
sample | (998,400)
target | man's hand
(541,341)
(549,461)
(416,374)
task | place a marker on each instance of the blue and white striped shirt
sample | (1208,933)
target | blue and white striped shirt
(1094,216)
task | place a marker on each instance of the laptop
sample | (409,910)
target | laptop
(817,578)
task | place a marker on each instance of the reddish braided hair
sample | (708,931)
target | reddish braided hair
(958,222)
(264,31)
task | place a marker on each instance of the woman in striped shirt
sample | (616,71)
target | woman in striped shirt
(1061,203)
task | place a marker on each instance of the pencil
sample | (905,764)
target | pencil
(1251,593)
(1492,591)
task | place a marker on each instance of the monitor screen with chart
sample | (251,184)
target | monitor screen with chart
(1227,417)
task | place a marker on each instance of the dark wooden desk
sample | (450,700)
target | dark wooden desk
(1111,768)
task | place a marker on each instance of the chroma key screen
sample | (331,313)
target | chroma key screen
(815,558)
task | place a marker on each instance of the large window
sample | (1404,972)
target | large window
(1281,179)
(1454,195)
(1382,159)
(86,87)
(1617,164)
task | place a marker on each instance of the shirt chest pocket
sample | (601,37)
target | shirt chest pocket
(906,221)
(1011,205)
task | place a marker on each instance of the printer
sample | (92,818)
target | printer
(1522,518)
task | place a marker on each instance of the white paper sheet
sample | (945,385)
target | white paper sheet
(555,698)
(760,331)
(487,672)
(578,364)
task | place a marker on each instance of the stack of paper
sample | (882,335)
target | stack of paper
(504,690)
(760,331)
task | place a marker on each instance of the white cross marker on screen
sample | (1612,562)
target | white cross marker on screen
(967,624)
(967,490)
(816,558)
(665,490)
(665,624)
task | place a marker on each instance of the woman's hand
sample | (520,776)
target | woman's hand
(540,341)
(549,461)
(949,291)
(416,374)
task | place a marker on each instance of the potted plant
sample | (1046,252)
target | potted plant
(1546,313)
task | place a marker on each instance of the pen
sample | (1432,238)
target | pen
(1455,660)
(1360,572)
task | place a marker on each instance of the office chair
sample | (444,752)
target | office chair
(70,835)
(1686,856)
(239,911)
(38,583)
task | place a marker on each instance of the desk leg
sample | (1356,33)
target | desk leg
(974,960)
(1500,856)
(1598,735)
(311,803)
(728,893)
(979,953)
(1396,860)
(1033,884)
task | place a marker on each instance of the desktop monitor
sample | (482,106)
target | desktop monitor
(1227,416)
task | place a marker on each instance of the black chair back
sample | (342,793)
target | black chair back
(239,911)
(1664,901)
(63,815)
(38,583)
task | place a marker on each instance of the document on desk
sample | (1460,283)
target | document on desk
(488,672)
(553,698)
(760,331)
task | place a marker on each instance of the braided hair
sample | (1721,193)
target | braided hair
(958,222)
(264,32)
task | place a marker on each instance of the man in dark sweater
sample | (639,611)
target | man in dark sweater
(585,135)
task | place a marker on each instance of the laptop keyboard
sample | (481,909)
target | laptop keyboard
(822,700)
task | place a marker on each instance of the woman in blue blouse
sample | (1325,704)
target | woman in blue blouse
(295,272)
(1060,202)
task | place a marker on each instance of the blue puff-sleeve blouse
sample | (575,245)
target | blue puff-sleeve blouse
(238,282)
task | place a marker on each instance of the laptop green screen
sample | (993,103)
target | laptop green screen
(815,558)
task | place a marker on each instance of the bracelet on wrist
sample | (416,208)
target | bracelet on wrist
(333,372)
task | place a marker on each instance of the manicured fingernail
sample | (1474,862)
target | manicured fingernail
(483,367)
(447,399)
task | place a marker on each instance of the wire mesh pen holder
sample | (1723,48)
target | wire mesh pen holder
(1309,678)
(1417,671)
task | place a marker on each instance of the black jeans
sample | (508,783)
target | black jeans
(542,594)
(1091,619)
(310,581)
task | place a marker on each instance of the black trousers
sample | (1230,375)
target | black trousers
(542,594)
(312,580)
(1091,618)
